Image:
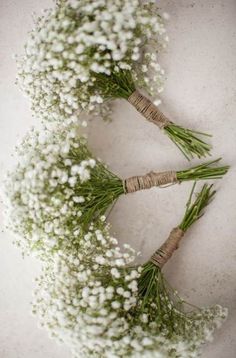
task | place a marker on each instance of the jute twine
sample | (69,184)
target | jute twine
(163,254)
(148,181)
(148,109)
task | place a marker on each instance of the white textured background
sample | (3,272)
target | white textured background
(200,92)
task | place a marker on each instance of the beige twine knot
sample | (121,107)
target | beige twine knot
(164,253)
(148,181)
(148,109)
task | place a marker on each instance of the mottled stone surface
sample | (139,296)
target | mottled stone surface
(200,92)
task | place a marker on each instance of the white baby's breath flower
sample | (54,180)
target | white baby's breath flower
(64,55)
(47,192)
(97,307)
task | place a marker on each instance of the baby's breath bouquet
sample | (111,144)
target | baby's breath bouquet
(83,53)
(59,188)
(92,294)
(94,298)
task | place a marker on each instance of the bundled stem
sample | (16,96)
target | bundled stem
(104,187)
(120,84)
(204,171)
(188,141)
(152,286)
(195,210)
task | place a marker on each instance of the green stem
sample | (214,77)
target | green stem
(188,141)
(203,171)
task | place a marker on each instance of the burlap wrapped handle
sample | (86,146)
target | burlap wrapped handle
(164,253)
(148,109)
(148,181)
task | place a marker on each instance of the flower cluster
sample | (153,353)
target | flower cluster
(77,41)
(89,294)
(49,194)
(58,188)
(88,298)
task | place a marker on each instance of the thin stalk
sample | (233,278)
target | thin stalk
(203,171)
(188,141)
(119,84)
(195,210)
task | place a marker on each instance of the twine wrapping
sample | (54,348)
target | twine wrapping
(164,253)
(148,181)
(148,109)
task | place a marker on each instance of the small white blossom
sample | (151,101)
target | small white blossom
(46,192)
(63,56)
